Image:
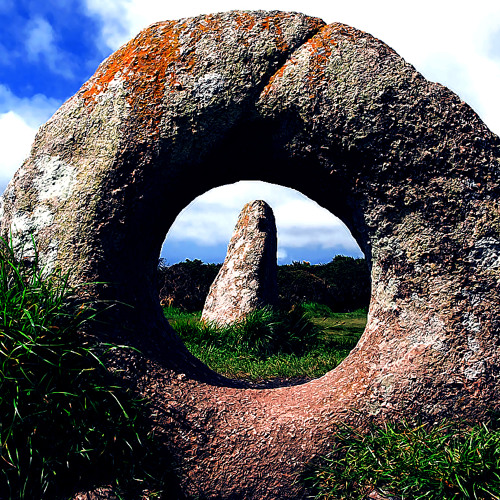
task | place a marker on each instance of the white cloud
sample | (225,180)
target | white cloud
(492,43)
(302,222)
(19,121)
(117,27)
(210,219)
(40,37)
(40,44)
(282,254)
(34,110)
(16,137)
(302,212)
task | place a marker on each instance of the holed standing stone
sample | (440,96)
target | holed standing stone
(330,111)
(248,278)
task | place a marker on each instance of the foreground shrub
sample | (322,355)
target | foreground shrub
(65,422)
(413,462)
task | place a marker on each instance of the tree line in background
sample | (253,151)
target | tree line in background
(343,284)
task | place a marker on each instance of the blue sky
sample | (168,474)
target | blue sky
(49,49)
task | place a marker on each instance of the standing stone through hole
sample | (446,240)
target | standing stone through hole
(248,278)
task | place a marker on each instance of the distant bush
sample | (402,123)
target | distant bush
(297,285)
(186,284)
(348,281)
(342,284)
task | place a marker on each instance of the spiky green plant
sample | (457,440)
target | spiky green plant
(65,421)
(412,461)
(263,332)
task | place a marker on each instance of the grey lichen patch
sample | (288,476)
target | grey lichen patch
(486,253)
(386,294)
(474,371)
(473,343)
(417,237)
(2,210)
(49,258)
(20,231)
(425,328)
(24,227)
(472,324)
(208,87)
(56,179)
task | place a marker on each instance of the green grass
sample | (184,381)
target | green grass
(65,421)
(412,461)
(305,342)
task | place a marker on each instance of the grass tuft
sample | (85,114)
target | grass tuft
(65,422)
(412,461)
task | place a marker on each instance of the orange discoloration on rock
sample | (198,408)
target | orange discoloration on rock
(149,64)
(138,60)
(320,48)
(277,76)
(245,21)
(146,66)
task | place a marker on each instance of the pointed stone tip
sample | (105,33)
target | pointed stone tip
(258,206)
(257,203)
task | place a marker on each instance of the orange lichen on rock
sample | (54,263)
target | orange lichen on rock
(150,55)
(157,60)
(320,49)
(245,21)
(137,60)
(145,67)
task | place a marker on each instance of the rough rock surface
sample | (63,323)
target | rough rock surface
(333,112)
(248,278)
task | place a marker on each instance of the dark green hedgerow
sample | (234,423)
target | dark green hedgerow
(65,421)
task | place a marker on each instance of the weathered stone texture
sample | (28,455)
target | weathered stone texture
(248,278)
(333,112)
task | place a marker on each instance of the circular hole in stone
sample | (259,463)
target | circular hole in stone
(323,287)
